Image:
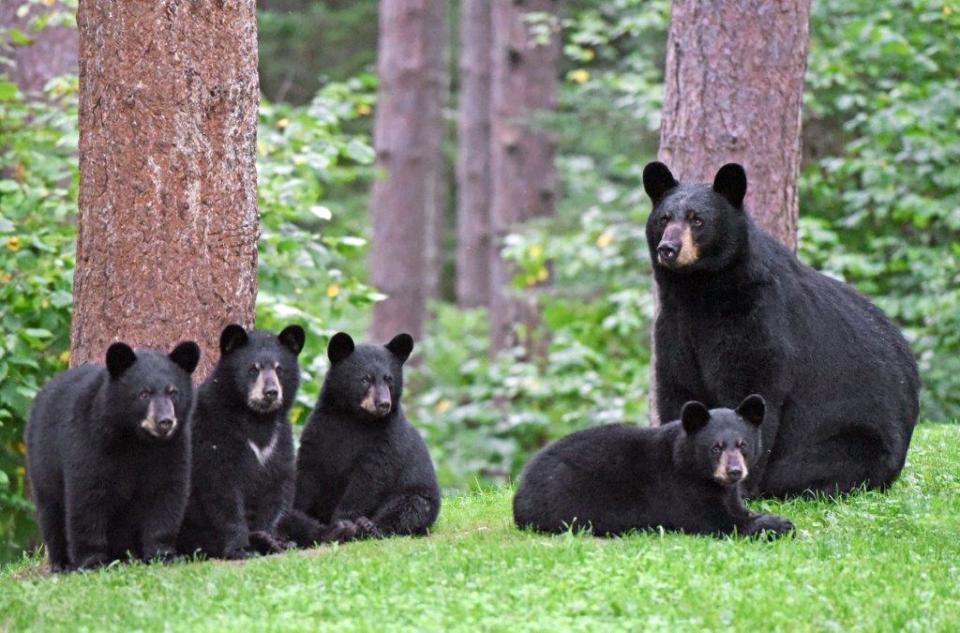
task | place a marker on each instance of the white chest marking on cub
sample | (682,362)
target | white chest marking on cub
(264,454)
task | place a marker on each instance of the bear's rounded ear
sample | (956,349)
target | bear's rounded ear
(731,183)
(694,416)
(293,338)
(119,359)
(400,346)
(752,409)
(657,181)
(186,355)
(232,337)
(339,347)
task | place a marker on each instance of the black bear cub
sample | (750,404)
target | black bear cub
(739,313)
(108,457)
(243,460)
(361,463)
(682,476)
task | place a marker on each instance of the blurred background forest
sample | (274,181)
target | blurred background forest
(879,208)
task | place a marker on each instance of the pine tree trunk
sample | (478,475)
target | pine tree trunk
(734,93)
(407,140)
(473,160)
(52,52)
(167,236)
(521,153)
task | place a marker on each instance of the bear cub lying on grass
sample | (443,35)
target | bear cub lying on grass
(108,456)
(362,466)
(682,476)
(243,460)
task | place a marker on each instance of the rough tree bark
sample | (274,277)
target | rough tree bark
(166,244)
(473,159)
(409,103)
(734,93)
(437,222)
(521,153)
(52,51)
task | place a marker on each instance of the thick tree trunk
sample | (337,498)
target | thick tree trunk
(521,152)
(406,138)
(167,242)
(437,222)
(734,92)
(52,52)
(473,159)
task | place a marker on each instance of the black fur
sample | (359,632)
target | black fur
(617,478)
(840,381)
(235,500)
(106,481)
(367,467)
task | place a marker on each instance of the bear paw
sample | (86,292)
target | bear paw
(367,528)
(93,561)
(770,526)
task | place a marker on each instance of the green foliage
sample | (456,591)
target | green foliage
(882,194)
(38,193)
(303,276)
(875,562)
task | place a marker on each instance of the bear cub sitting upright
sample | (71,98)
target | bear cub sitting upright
(682,476)
(360,460)
(108,456)
(243,461)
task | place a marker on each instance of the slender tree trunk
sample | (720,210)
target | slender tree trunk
(53,50)
(409,114)
(734,92)
(521,153)
(166,248)
(437,222)
(473,160)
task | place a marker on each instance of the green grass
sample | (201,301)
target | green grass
(876,562)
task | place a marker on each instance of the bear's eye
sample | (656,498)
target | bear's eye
(387,378)
(144,394)
(696,221)
(741,445)
(172,391)
(664,219)
(254,370)
(279,370)
(716,450)
(365,380)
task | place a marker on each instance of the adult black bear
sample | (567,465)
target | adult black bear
(740,314)
(108,457)
(360,460)
(243,460)
(681,476)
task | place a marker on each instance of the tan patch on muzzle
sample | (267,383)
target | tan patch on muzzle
(729,459)
(149,423)
(369,403)
(689,253)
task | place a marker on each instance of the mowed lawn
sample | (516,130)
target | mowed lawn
(875,562)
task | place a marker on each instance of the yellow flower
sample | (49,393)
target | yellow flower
(13,243)
(20,447)
(21,471)
(543,274)
(605,239)
(443,406)
(64,358)
(535,251)
(363,109)
(49,3)
(6,277)
(947,10)
(588,54)
(283,123)
(580,75)
(333,290)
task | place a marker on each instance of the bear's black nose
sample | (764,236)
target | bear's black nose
(734,474)
(270,394)
(668,251)
(383,407)
(164,425)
